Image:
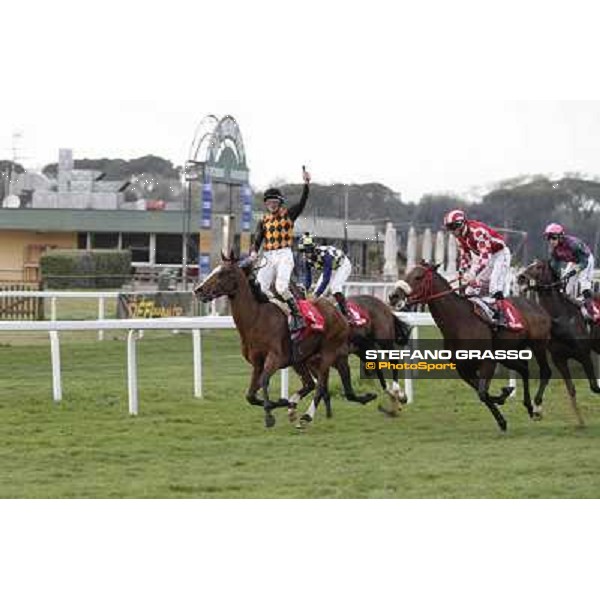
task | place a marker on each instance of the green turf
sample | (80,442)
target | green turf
(444,445)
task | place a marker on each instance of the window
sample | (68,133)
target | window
(139,244)
(168,249)
(105,240)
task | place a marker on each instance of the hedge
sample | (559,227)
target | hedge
(63,269)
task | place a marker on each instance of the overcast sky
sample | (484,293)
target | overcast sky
(435,97)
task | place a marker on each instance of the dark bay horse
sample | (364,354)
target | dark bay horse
(570,339)
(461,327)
(383,331)
(265,337)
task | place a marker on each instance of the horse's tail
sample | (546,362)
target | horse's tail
(402,331)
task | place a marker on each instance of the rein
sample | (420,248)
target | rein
(427,295)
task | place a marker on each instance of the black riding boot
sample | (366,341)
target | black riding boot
(297,318)
(590,307)
(341,302)
(499,315)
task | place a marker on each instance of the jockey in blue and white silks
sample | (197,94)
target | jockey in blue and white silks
(335,268)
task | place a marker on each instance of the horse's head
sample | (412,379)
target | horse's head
(416,287)
(535,274)
(222,281)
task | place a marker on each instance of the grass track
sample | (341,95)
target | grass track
(444,445)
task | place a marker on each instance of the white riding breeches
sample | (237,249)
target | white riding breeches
(495,274)
(278,268)
(583,279)
(338,277)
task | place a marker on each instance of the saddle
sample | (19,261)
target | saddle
(357,316)
(514,319)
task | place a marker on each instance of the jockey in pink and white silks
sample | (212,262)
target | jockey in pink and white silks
(484,258)
(572,260)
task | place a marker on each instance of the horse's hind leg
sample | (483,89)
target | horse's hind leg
(588,367)
(522,368)
(541,357)
(308,385)
(562,365)
(343,368)
(326,396)
(393,391)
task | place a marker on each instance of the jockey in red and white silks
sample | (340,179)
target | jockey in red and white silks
(484,255)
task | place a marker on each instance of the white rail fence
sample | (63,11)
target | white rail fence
(136,327)
(133,326)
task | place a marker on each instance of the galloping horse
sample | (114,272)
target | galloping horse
(570,338)
(383,331)
(265,336)
(459,324)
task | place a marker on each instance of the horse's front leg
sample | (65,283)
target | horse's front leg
(272,364)
(486,372)
(257,369)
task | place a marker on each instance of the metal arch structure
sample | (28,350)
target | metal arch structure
(216,156)
(217,148)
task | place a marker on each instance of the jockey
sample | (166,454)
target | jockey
(335,269)
(572,260)
(276,231)
(484,258)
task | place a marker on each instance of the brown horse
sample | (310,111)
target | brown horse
(265,336)
(382,330)
(463,329)
(570,337)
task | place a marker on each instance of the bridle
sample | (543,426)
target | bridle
(425,293)
(538,287)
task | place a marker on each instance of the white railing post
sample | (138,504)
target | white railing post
(53,308)
(100,316)
(408,376)
(197,344)
(284,388)
(55,359)
(132,372)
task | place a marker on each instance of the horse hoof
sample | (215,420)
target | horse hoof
(269,421)
(507,390)
(388,413)
(366,398)
(292,413)
(304,421)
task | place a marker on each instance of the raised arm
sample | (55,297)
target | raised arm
(296,210)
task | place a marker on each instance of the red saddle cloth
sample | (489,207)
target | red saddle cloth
(312,317)
(514,319)
(357,314)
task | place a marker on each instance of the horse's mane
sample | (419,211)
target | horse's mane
(256,290)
